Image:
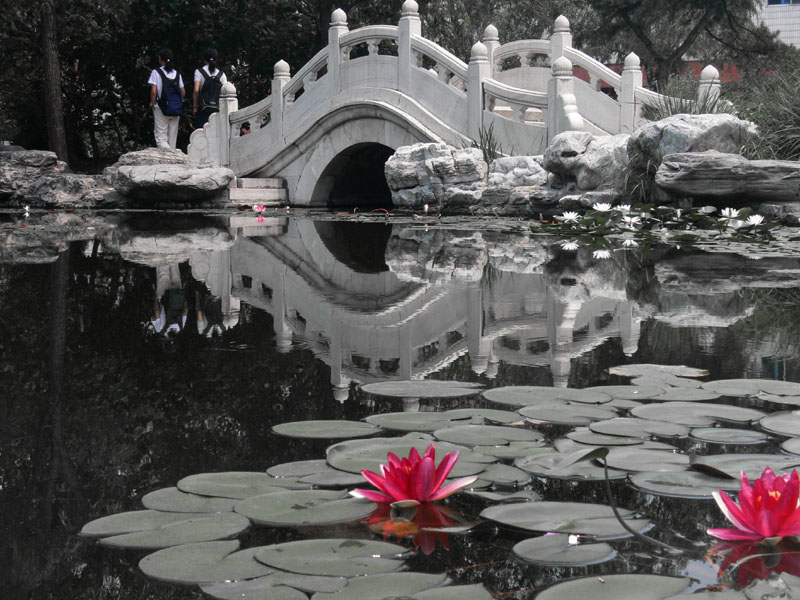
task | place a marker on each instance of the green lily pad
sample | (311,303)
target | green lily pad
(622,404)
(504,475)
(786,422)
(643,428)
(334,557)
(563,413)
(327,430)
(412,421)
(567,445)
(514,450)
(384,585)
(707,595)
(203,562)
(644,369)
(424,388)
(531,394)
(791,446)
(787,400)
(667,382)
(332,478)
(565,517)
(455,592)
(637,459)
(779,388)
(730,465)
(503,498)
(586,436)
(696,414)
(630,392)
(687,395)
(493,435)
(557,551)
(354,455)
(682,484)
(734,387)
(173,500)
(489,415)
(132,521)
(723,435)
(569,467)
(206,528)
(315,472)
(304,507)
(298,468)
(231,484)
(279,585)
(614,587)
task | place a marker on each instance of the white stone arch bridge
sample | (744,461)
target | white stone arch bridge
(379,87)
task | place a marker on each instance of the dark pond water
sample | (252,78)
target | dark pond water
(102,401)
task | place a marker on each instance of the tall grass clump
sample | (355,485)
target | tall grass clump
(679,96)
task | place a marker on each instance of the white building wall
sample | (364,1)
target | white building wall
(783,18)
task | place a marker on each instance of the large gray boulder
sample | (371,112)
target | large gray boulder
(164,174)
(649,144)
(593,163)
(722,175)
(428,173)
(516,171)
(21,170)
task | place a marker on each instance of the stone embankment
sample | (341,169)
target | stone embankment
(38,179)
(678,157)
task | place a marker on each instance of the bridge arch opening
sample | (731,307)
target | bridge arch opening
(355,178)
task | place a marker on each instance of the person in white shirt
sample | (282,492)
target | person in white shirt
(166,126)
(208,80)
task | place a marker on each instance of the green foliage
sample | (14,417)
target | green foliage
(679,96)
(487,142)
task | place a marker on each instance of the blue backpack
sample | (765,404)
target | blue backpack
(171,101)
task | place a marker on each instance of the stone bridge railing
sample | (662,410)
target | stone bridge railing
(525,90)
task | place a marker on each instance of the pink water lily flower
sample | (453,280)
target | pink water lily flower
(768,509)
(413,480)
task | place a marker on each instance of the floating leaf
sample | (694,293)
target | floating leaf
(502,498)
(783,423)
(277,586)
(411,421)
(504,475)
(722,435)
(687,395)
(753,465)
(643,428)
(315,472)
(642,369)
(557,551)
(203,562)
(791,446)
(426,388)
(570,467)
(494,435)
(336,557)
(231,484)
(385,585)
(563,413)
(490,415)
(779,388)
(213,526)
(734,387)
(696,414)
(614,587)
(131,521)
(567,445)
(637,459)
(630,392)
(298,468)
(327,430)
(304,507)
(455,592)
(682,484)
(514,450)
(565,517)
(173,500)
(667,382)
(531,395)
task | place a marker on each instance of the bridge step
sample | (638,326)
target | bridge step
(269,196)
(260,182)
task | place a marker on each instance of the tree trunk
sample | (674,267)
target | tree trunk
(54,111)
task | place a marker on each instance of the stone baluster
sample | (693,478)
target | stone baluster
(561,38)
(338,28)
(409,25)
(631,80)
(228,103)
(443,73)
(478,70)
(372,47)
(563,114)
(280,77)
(709,88)
(309,80)
(491,39)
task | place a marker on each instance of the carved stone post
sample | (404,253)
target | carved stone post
(408,26)
(562,111)
(631,80)
(478,70)
(491,39)
(337,29)
(709,88)
(228,103)
(280,77)
(561,38)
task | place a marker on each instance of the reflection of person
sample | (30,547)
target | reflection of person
(245,128)
(165,127)
(208,81)
(169,306)
(210,321)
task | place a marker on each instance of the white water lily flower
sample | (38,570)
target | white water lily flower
(569,217)
(631,221)
(601,254)
(569,245)
(624,208)
(729,213)
(630,243)
(755,220)
(602,207)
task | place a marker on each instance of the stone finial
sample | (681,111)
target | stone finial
(632,62)
(490,34)
(228,90)
(409,9)
(478,52)
(710,74)
(281,69)
(561,25)
(562,66)
(338,18)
